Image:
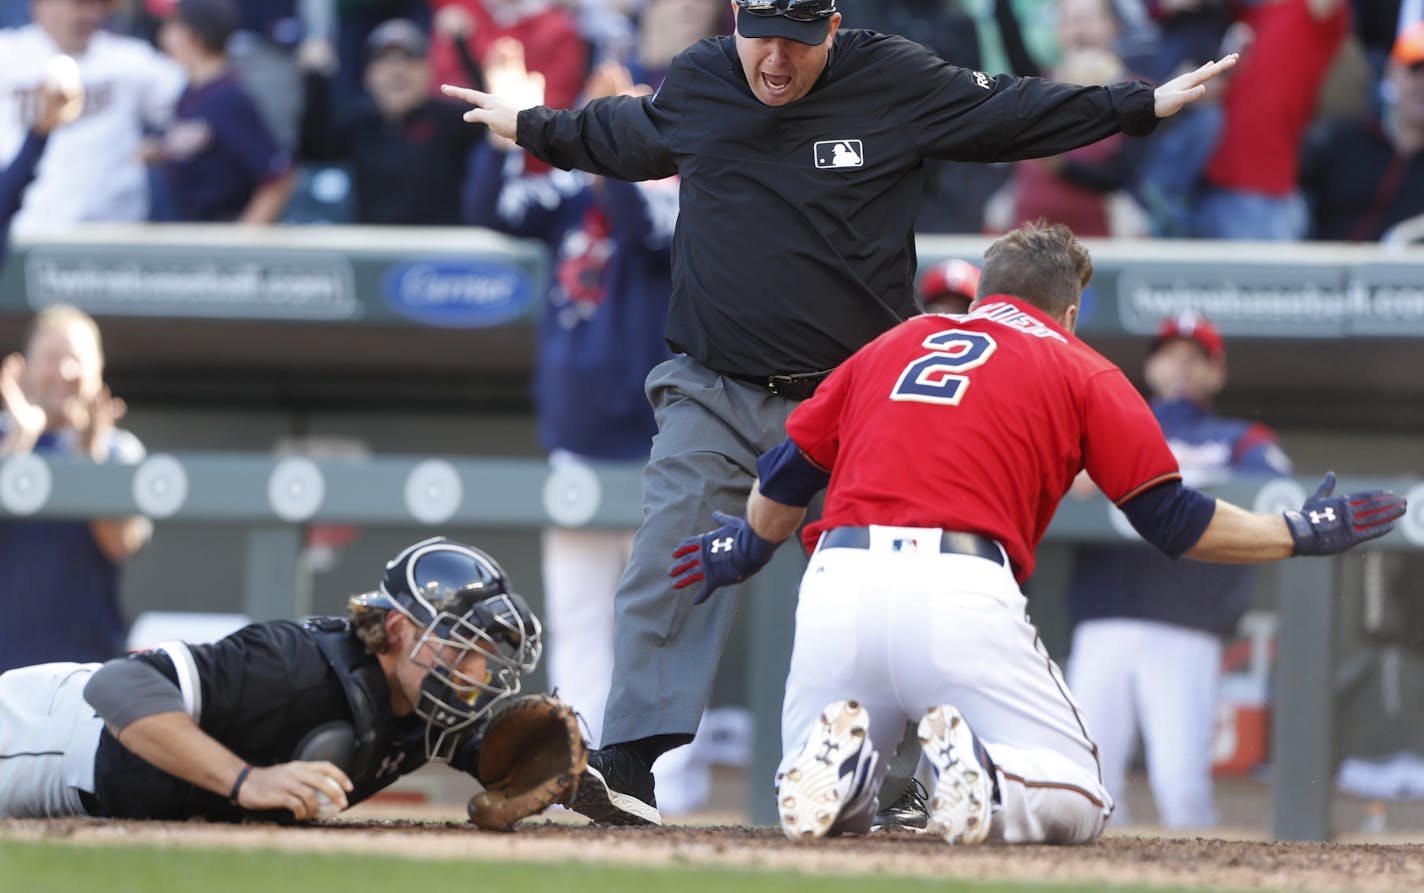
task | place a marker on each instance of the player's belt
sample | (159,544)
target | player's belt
(951,542)
(792,386)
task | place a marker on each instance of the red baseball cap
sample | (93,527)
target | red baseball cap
(1192,326)
(949,277)
(1409,46)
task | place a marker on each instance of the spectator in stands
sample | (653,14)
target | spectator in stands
(667,27)
(355,20)
(14,13)
(955,192)
(91,170)
(1189,32)
(59,580)
(60,102)
(1171,175)
(1146,649)
(220,162)
(948,286)
(1362,177)
(1378,23)
(1085,189)
(407,150)
(263,52)
(553,46)
(1251,190)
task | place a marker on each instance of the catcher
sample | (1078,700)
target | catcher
(284,722)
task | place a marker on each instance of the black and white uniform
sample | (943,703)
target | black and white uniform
(260,692)
(794,246)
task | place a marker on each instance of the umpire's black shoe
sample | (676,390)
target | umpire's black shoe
(616,789)
(909,812)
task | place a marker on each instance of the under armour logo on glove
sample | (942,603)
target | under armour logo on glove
(1329,524)
(729,554)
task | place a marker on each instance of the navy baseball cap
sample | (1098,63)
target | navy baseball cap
(397,34)
(804,21)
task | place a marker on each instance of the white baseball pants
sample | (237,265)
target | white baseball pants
(1164,679)
(582,567)
(901,631)
(48,737)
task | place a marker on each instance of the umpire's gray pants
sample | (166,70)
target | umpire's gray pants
(711,429)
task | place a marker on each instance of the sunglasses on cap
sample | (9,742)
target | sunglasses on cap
(795,10)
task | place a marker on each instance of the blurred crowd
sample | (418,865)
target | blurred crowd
(328,110)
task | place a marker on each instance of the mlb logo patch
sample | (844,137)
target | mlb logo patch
(905,544)
(839,153)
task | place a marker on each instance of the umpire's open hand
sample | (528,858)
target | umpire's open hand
(498,114)
(1169,98)
(729,554)
(1328,524)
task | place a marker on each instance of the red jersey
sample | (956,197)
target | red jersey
(976,423)
(1272,95)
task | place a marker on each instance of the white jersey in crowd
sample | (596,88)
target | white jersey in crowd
(91,170)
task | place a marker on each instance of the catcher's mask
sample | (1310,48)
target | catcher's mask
(461,599)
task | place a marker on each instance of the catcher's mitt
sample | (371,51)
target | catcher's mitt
(531,757)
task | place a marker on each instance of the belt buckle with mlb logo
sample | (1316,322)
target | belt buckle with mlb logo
(839,154)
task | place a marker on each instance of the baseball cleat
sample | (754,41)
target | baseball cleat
(831,776)
(962,801)
(616,789)
(910,811)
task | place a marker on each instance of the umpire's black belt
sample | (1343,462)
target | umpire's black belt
(951,542)
(797,386)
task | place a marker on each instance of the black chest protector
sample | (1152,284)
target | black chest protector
(358,747)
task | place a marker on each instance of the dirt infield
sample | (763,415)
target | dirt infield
(1199,862)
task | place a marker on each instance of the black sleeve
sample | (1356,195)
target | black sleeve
(627,137)
(324,130)
(13,180)
(472,69)
(1112,173)
(962,115)
(1011,35)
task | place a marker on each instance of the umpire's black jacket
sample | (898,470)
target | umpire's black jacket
(795,238)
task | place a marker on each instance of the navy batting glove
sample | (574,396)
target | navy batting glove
(1329,524)
(729,554)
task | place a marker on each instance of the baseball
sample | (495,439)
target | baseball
(62,73)
(325,809)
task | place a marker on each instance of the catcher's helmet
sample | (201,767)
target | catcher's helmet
(461,598)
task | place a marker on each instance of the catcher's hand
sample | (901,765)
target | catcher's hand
(1328,524)
(531,757)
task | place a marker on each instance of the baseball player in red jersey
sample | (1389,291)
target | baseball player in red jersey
(947,444)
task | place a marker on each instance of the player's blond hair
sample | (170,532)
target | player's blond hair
(1041,263)
(369,624)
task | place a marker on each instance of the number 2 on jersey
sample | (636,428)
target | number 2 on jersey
(934,377)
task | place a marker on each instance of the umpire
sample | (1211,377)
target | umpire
(800,148)
(279,720)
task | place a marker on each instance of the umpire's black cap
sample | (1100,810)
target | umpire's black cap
(804,21)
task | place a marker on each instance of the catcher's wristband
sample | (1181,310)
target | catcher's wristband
(237,784)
